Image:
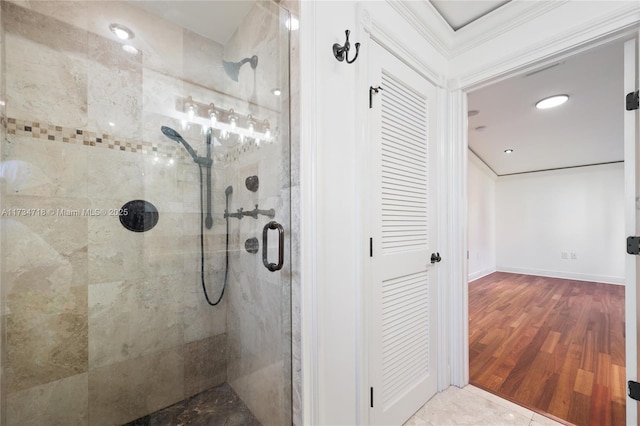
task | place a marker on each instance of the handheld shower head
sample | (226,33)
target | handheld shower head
(175,136)
(171,134)
(228,191)
(233,68)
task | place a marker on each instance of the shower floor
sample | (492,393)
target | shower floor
(213,407)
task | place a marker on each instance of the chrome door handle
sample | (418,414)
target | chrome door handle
(265,231)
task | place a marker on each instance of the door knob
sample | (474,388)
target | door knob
(435,257)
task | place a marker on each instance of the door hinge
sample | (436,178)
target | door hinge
(633,100)
(373,90)
(370,247)
(633,245)
(372,397)
(634,390)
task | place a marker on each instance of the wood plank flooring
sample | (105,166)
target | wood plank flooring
(554,346)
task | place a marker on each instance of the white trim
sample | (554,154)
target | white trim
(424,18)
(443,269)
(492,25)
(308,220)
(481,274)
(605,279)
(363,274)
(598,31)
(456,187)
(378,31)
(631,225)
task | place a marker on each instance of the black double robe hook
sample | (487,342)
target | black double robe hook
(341,52)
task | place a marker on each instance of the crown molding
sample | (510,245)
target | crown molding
(500,21)
(574,40)
(426,20)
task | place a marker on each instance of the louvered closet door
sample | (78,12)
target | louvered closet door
(402,343)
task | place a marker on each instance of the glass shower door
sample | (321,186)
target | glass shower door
(145,213)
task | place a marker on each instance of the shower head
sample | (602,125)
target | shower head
(233,68)
(175,136)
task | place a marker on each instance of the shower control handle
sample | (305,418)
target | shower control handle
(265,231)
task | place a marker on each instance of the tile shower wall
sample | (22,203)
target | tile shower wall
(3,120)
(104,325)
(259,331)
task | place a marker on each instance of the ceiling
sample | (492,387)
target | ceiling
(215,20)
(462,12)
(588,129)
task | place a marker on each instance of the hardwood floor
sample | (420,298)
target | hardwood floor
(554,346)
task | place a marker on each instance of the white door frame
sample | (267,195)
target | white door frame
(631,225)
(559,49)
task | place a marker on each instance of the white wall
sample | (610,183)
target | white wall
(481,190)
(541,215)
(333,98)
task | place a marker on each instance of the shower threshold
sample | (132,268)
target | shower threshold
(216,406)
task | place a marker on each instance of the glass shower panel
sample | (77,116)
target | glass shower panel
(145,213)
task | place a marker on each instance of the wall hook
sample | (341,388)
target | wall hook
(341,52)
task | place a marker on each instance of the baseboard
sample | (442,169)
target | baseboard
(566,275)
(477,275)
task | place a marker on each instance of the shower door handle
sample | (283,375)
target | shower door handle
(265,231)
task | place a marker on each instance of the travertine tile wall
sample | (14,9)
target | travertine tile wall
(258,318)
(104,325)
(3,118)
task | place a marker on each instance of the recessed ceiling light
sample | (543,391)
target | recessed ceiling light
(552,101)
(122,32)
(276,92)
(473,112)
(508,151)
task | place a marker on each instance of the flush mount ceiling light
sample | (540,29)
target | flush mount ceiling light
(552,101)
(122,32)
(276,92)
(508,151)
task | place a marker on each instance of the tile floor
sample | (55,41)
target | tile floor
(217,406)
(475,407)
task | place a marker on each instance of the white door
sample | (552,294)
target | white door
(402,326)
(632,225)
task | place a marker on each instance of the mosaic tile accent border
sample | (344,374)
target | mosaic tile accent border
(53,133)
(69,135)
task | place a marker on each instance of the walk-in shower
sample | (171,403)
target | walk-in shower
(141,167)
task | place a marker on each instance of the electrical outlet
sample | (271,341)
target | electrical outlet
(563,255)
(573,256)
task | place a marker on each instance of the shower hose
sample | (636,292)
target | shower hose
(226,251)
